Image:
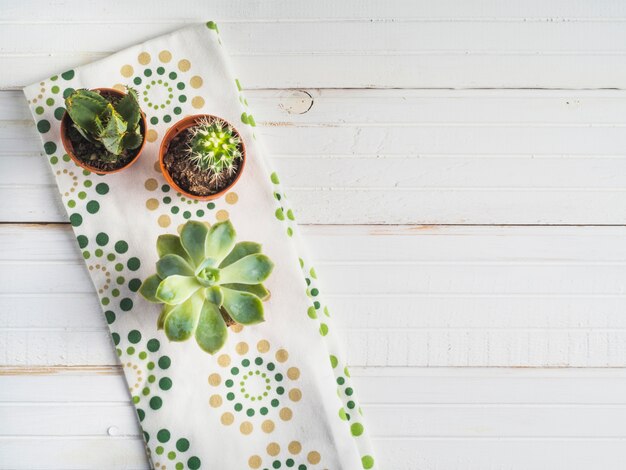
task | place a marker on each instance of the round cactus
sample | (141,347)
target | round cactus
(203,276)
(215,147)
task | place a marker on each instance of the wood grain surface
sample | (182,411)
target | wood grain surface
(460,171)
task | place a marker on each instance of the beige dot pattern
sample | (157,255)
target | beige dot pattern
(314,457)
(151,184)
(293,373)
(195,81)
(224,360)
(144,58)
(295,394)
(215,379)
(255,461)
(227,419)
(164,221)
(151,135)
(282,355)
(285,414)
(295,447)
(215,401)
(273,449)
(268,426)
(126,70)
(242,348)
(197,102)
(231,198)
(152,204)
(246,428)
(165,56)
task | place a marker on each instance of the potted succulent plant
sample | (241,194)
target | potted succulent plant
(103,130)
(206,281)
(202,156)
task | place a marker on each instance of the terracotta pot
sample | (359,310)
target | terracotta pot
(176,129)
(69,148)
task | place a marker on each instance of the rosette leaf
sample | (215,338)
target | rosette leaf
(205,281)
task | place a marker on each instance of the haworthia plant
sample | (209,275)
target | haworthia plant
(204,276)
(215,147)
(114,124)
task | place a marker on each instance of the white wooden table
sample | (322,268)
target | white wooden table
(460,168)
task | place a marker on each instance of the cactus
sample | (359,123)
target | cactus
(215,147)
(202,277)
(114,125)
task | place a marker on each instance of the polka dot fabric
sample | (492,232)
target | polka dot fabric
(278,395)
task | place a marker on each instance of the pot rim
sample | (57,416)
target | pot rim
(177,128)
(69,148)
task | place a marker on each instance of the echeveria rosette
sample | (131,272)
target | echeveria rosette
(203,273)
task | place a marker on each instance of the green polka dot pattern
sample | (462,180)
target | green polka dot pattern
(146,370)
(166,451)
(282,212)
(117,286)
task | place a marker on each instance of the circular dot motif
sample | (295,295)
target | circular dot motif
(162,85)
(255,388)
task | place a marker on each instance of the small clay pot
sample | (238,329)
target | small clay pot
(179,127)
(66,122)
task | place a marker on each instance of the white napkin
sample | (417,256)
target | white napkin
(190,404)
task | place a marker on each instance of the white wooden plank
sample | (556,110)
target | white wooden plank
(407,37)
(531,10)
(435,386)
(416,48)
(398,454)
(72,453)
(441,296)
(386,421)
(496,454)
(74,419)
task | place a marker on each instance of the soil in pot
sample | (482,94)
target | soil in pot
(93,153)
(185,173)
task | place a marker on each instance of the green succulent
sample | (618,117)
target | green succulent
(215,147)
(114,125)
(203,277)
